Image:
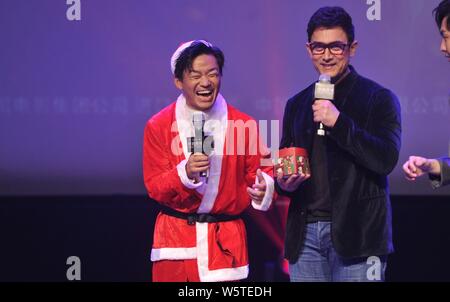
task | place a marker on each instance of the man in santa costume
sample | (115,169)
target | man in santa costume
(199,234)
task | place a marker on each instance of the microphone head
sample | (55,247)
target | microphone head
(198,121)
(198,117)
(324,78)
(324,90)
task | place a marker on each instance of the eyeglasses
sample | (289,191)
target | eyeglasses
(336,48)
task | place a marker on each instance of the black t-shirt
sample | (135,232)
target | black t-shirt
(319,208)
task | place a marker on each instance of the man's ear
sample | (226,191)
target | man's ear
(353,48)
(178,83)
(308,50)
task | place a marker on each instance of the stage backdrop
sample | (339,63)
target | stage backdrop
(79,79)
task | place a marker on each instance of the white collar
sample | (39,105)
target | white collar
(216,112)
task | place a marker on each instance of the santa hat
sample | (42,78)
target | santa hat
(179,51)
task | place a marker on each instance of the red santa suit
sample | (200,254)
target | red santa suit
(220,248)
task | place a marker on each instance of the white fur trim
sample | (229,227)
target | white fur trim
(215,124)
(188,183)
(177,253)
(226,274)
(207,275)
(267,200)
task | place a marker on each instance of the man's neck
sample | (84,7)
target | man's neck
(339,78)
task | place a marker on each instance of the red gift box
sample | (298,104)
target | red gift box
(292,160)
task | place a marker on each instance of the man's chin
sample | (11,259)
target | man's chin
(329,72)
(205,104)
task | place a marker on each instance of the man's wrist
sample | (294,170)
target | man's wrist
(188,173)
(182,173)
(435,167)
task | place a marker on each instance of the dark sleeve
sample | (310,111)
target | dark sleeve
(445,171)
(287,138)
(376,149)
(444,178)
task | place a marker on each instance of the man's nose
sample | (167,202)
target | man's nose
(204,81)
(444,47)
(327,55)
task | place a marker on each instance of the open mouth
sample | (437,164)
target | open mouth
(205,93)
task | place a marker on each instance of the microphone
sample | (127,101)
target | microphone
(196,143)
(324,90)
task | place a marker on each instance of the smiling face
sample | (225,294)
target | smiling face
(445,43)
(201,84)
(329,63)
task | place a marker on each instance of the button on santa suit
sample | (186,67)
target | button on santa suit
(220,248)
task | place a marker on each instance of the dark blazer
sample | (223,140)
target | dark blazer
(362,149)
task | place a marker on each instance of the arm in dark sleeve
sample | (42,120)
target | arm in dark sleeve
(444,178)
(377,149)
(287,139)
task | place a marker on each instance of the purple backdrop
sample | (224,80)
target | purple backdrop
(75,95)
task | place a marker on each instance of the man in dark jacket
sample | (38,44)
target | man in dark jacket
(339,221)
(438,169)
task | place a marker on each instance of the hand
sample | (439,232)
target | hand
(198,162)
(291,184)
(325,112)
(416,166)
(257,191)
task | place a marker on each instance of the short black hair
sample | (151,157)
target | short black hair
(197,48)
(330,17)
(442,11)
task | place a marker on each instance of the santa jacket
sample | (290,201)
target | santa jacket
(220,248)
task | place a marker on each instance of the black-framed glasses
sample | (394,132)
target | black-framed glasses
(336,48)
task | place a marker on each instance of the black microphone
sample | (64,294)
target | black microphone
(197,142)
(324,90)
